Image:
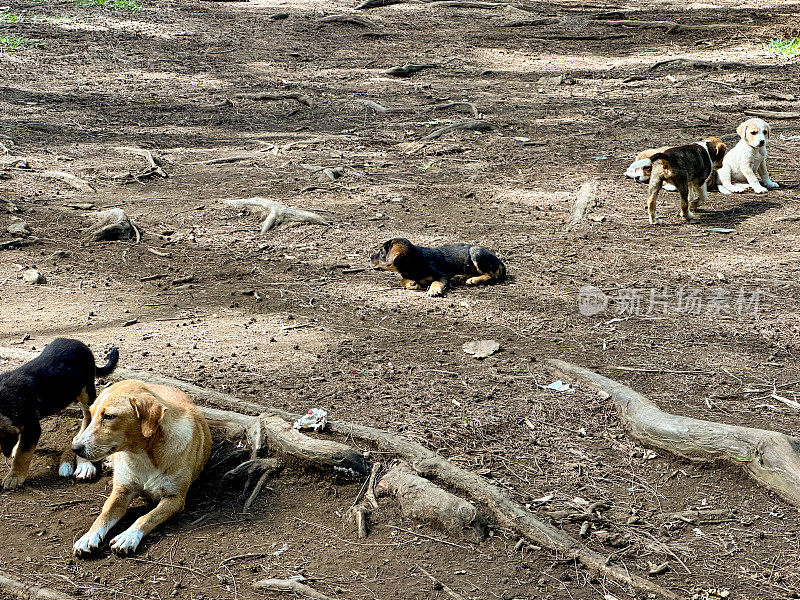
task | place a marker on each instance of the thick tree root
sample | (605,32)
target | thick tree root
(424,501)
(275,213)
(273,431)
(29,592)
(770,457)
(113,224)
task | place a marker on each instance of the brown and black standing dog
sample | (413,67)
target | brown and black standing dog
(62,374)
(688,168)
(436,268)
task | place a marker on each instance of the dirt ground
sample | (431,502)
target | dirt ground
(293,319)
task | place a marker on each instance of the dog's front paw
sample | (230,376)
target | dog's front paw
(689,215)
(65,469)
(655,220)
(127,542)
(436,289)
(12,481)
(771,185)
(759,189)
(88,543)
(85,471)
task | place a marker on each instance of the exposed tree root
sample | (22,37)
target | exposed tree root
(586,200)
(374,106)
(277,433)
(468,105)
(772,114)
(19,243)
(275,213)
(153,168)
(113,224)
(530,22)
(79,184)
(346,18)
(378,3)
(424,501)
(408,69)
(771,458)
(472,125)
(498,505)
(290,585)
(668,26)
(29,592)
(697,64)
(303,99)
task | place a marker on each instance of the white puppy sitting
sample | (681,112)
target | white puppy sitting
(747,161)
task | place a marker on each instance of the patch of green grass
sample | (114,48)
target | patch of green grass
(785,47)
(13,43)
(7,17)
(129,5)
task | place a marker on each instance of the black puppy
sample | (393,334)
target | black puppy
(436,268)
(62,374)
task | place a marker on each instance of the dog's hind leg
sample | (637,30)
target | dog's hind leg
(655,188)
(683,190)
(22,455)
(489,267)
(128,541)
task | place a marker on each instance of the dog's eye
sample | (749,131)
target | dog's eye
(108,417)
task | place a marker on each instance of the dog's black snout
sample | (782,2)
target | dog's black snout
(79,449)
(762,142)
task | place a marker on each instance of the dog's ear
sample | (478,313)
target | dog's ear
(742,129)
(398,252)
(716,151)
(149,411)
(767,130)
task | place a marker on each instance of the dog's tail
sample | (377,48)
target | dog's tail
(646,162)
(108,368)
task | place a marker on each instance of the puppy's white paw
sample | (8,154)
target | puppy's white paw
(65,469)
(760,189)
(85,471)
(771,185)
(739,187)
(127,542)
(88,543)
(723,190)
(690,215)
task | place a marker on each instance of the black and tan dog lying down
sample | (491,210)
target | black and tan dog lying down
(438,268)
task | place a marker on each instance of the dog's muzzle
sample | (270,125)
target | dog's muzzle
(79,449)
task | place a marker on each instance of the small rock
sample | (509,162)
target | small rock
(59,254)
(33,277)
(19,229)
(554,80)
(481,348)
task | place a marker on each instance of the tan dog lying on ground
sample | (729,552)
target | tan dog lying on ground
(747,161)
(688,168)
(158,442)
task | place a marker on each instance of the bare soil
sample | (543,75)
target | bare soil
(288,320)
